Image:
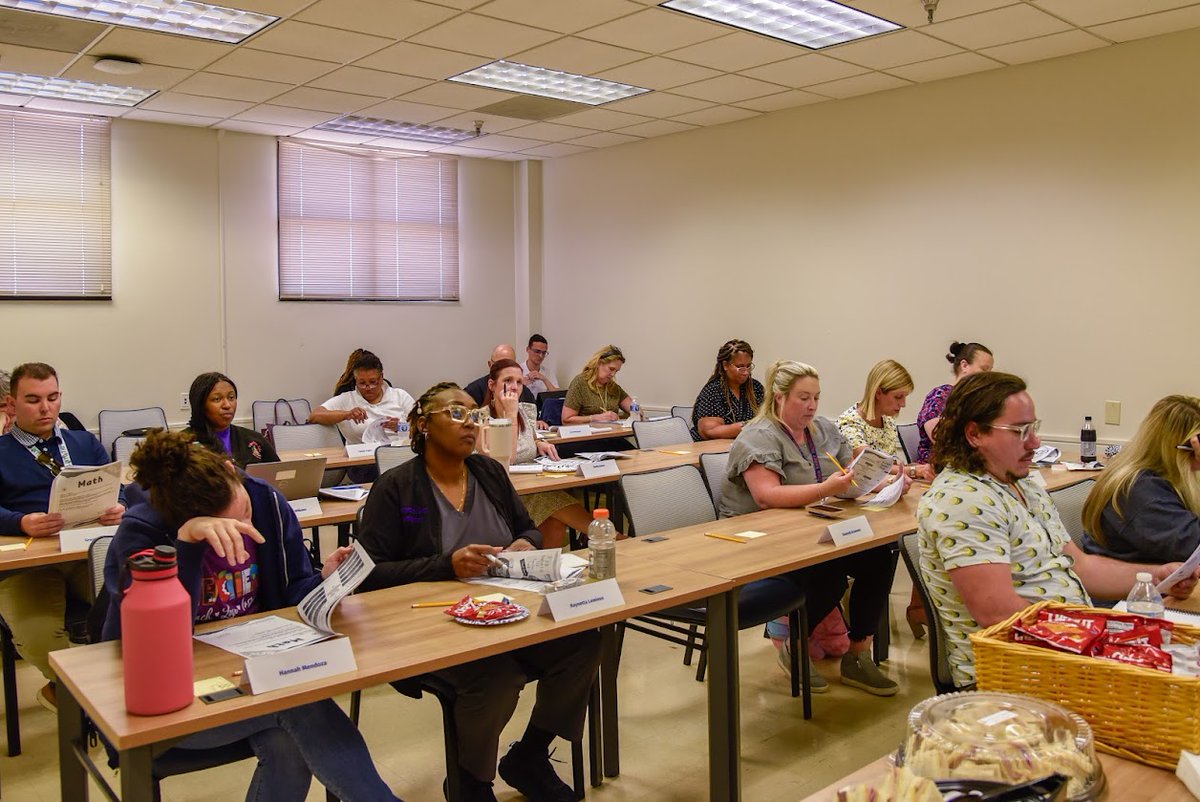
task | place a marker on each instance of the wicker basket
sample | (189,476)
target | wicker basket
(1136,713)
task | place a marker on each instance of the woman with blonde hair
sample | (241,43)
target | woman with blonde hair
(871,422)
(731,397)
(594,395)
(1144,507)
(789,457)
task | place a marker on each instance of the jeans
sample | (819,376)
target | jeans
(826,583)
(294,745)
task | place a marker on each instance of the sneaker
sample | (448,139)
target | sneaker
(47,697)
(816,683)
(528,770)
(470,789)
(859,671)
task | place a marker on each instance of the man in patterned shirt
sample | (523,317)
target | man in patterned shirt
(990,538)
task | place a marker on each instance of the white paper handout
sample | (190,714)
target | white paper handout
(317,607)
(1046,454)
(531,570)
(870,468)
(81,494)
(886,497)
(344,492)
(596,456)
(1181,572)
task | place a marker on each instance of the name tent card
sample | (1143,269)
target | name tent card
(361,449)
(563,605)
(80,539)
(327,658)
(581,430)
(595,470)
(847,531)
(306,507)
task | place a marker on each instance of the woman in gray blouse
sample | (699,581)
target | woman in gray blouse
(788,457)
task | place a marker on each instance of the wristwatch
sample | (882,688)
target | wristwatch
(912,471)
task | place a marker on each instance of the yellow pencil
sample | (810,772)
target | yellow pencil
(719,536)
(29,541)
(434,604)
(839,466)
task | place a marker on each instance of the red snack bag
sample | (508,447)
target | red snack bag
(1147,635)
(1134,655)
(1076,637)
(479,610)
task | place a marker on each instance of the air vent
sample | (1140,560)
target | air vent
(46,31)
(531,107)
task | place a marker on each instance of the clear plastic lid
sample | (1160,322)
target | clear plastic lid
(1001,737)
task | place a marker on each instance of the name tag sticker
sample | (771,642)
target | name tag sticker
(574,431)
(564,605)
(847,531)
(594,470)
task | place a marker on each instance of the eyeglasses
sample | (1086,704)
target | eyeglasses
(460,414)
(1023,431)
(45,459)
(368,385)
(743,368)
(540,351)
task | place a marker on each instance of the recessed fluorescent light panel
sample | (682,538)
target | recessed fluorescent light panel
(65,89)
(182,17)
(812,23)
(370,126)
(510,76)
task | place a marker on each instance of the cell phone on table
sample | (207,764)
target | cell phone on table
(824,510)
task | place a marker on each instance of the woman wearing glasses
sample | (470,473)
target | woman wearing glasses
(440,516)
(731,397)
(370,399)
(1144,507)
(214,401)
(554,510)
(594,395)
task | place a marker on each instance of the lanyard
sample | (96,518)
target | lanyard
(812,450)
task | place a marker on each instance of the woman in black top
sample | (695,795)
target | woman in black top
(213,397)
(731,397)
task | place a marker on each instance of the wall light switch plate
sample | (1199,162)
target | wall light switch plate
(1112,413)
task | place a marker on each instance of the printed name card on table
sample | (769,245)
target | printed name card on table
(847,531)
(327,658)
(361,449)
(80,539)
(596,470)
(306,507)
(563,605)
(581,430)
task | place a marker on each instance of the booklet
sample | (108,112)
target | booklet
(531,570)
(560,465)
(886,497)
(596,456)
(1047,454)
(870,468)
(81,494)
(344,492)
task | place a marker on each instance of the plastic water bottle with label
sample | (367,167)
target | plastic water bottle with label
(602,546)
(635,410)
(1145,599)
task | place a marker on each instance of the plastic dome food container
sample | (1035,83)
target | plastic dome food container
(1003,738)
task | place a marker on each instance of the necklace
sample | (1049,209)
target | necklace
(462,499)
(604,399)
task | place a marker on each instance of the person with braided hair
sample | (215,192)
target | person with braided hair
(731,397)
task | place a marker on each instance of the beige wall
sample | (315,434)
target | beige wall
(194,286)
(1048,210)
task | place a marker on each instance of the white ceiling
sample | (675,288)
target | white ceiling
(389,59)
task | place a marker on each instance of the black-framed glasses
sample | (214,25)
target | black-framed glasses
(460,414)
(1023,430)
(45,459)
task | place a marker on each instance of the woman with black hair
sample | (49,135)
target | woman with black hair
(214,400)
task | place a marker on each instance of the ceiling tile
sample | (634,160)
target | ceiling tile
(997,27)
(655,30)
(398,19)
(1094,12)
(368,82)
(783,100)
(524,156)
(550,132)
(259,128)
(282,115)
(462,5)
(276,8)
(948,67)
(912,15)
(859,85)
(728,88)
(159,48)
(405,112)
(504,142)
(555,150)
(657,72)
(604,140)
(248,63)
(425,62)
(178,103)
(805,70)
(577,55)
(557,15)
(659,104)
(306,97)
(737,51)
(492,123)
(656,128)
(1052,46)
(145,116)
(74,107)
(1153,25)
(231,87)
(894,49)
(484,36)
(47,31)
(716,115)
(601,119)
(151,76)
(456,96)
(317,41)
(34,60)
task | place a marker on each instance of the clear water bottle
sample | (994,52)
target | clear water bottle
(1087,441)
(602,546)
(1145,599)
(635,410)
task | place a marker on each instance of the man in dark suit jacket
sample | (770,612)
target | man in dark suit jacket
(478,388)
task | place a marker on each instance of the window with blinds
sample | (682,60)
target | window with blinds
(55,219)
(362,225)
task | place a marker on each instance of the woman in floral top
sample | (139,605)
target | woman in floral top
(967,358)
(872,421)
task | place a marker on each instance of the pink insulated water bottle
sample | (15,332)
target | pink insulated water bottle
(156,635)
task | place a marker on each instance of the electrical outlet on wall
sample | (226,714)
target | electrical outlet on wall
(185,403)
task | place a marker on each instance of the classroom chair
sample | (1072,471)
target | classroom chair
(311,435)
(552,411)
(280,412)
(910,440)
(1069,501)
(939,664)
(664,432)
(388,457)
(685,413)
(115,422)
(714,467)
(124,446)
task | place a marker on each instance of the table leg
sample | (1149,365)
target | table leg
(137,776)
(724,716)
(72,776)
(610,655)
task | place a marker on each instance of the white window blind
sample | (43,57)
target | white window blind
(55,220)
(360,225)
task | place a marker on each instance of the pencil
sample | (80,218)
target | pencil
(719,536)
(433,604)
(839,466)
(29,541)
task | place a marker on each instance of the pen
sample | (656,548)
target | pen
(417,605)
(719,536)
(493,559)
(839,467)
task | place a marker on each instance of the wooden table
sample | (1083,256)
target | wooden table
(335,456)
(610,430)
(42,551)
(391,641)
(652,459)
(1127,782)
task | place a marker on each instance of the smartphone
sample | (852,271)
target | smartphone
(654,589)
(222,695)
(824,510)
